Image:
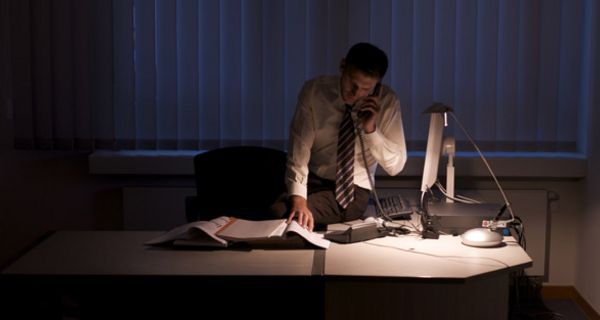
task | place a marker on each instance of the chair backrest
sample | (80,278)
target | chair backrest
(240,181)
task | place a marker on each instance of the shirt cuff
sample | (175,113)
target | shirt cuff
(374,138)
(297,189)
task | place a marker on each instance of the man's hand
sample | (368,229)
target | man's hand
(301,212)
(368,111)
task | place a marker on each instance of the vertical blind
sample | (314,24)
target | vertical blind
(187,74)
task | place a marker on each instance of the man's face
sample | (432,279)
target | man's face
(356,85)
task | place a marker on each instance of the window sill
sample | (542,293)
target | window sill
(504,164)
(507,164)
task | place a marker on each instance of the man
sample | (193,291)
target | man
(313,173)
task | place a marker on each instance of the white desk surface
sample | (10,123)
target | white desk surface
(410,256)
(406,258)
(123,253)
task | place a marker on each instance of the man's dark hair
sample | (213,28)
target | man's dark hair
(368,59)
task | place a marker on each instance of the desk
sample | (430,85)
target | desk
(95,270)
(122,253)
(112,275)
(415,278)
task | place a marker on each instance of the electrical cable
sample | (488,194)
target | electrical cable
(457,198)
(508,205)
(393,231)
(360,133)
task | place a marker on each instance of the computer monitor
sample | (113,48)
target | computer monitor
(433,151)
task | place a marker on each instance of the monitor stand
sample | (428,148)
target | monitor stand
(429,229)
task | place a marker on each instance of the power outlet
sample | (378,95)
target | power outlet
(497,224)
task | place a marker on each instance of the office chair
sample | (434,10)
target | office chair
(239,181)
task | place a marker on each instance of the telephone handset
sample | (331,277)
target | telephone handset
(376,90)
(375,93)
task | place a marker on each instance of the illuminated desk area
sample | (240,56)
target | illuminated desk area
(400,277)
(413,278)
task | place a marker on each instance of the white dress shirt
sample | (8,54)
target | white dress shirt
(314,131)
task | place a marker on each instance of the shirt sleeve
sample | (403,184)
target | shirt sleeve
(301,138)
(387,144)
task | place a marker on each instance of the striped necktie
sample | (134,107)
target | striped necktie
(344,185)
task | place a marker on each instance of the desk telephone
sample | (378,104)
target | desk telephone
(356,232)
(367,229)
(395,207)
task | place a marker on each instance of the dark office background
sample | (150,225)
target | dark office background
(77,77)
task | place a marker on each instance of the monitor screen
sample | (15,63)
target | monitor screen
(433,151)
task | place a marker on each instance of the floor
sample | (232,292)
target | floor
(549,309)
(565,309)
(527,302)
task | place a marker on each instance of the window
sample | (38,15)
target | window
(188,75)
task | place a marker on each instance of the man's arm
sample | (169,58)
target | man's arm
(301,138)
(386,143)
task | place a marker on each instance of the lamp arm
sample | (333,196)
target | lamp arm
(506,203)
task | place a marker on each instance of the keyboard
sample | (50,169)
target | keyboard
(395,207)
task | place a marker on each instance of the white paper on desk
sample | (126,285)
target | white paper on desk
(219,231)
(279,229)
(312,237)
(200,233)
(248,230)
